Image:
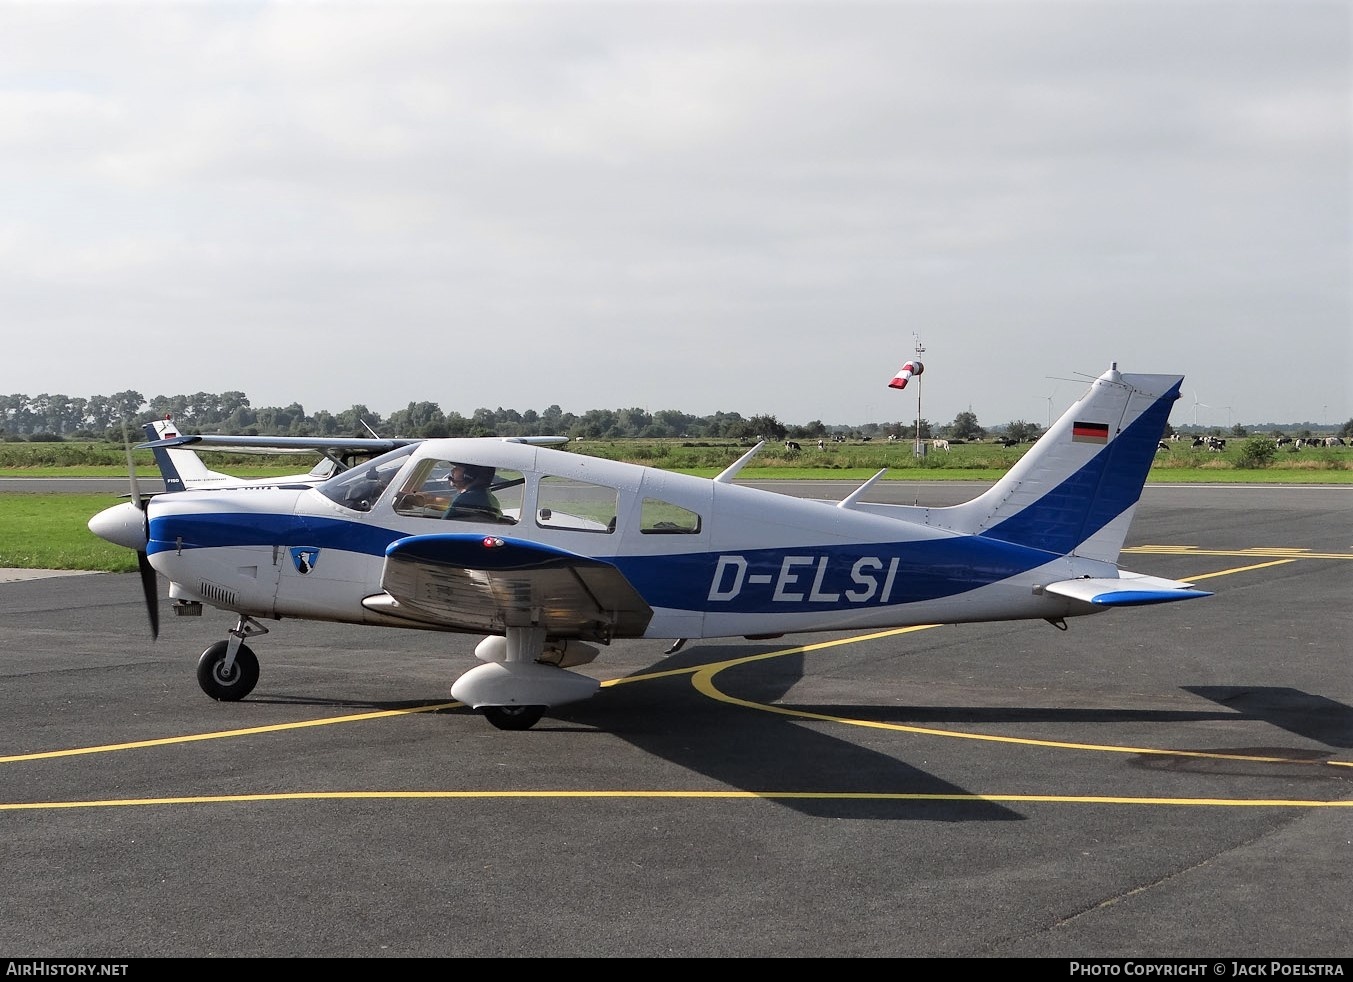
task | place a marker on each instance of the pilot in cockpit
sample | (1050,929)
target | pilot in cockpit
(473,500)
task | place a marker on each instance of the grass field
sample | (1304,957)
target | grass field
(965,461)
(50,531)
(45,531)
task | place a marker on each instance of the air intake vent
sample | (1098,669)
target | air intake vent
(216,594)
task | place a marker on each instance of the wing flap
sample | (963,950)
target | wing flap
(487,583)
(1127,590)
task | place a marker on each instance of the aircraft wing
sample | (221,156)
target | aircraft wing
(280,444)
(1127,590)
(473,582)
(357,446)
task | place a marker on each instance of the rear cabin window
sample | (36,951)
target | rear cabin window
(658,517)
(565,503)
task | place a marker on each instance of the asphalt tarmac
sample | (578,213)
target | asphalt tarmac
(1153,782)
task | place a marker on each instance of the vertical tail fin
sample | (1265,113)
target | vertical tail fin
(180,467)
(1075,491)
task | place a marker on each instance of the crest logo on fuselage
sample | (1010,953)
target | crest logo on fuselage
(304,558)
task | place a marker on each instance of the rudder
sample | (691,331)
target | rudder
(1076,489)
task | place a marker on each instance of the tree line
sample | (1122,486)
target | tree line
(60,417)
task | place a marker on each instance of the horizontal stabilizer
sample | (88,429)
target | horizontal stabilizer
(1128,590)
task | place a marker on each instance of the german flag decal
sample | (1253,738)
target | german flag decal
(1089,432)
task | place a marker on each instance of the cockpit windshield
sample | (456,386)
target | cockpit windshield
(360,486)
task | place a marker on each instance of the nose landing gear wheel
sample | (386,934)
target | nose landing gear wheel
(226,686)
(514,717)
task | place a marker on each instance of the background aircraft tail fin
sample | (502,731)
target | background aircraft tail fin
(180,467)
(1075,491)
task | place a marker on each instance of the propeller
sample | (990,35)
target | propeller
(150,584)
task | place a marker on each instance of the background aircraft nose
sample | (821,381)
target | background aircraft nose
(123,525)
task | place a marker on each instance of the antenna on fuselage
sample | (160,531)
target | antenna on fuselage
(854,496)
(727,476)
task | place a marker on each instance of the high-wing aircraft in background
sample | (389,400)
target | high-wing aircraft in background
(563,552)
(183,468)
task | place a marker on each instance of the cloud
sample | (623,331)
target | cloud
(749,207)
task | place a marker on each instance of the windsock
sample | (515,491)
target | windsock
(905,373)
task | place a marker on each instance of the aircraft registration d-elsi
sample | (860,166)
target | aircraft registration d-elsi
(550,553)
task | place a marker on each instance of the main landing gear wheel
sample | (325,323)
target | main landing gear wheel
(229,686)
(514,717)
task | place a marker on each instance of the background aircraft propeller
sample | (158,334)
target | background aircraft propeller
(150,584)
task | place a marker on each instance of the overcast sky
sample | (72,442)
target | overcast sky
(751,207)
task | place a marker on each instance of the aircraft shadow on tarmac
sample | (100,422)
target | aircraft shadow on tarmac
(763,753)
(1310,716)
(759,752)
(755,752)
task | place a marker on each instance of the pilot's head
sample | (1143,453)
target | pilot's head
(469,475)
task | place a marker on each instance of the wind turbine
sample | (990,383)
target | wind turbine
(1196,404)
(1049,398)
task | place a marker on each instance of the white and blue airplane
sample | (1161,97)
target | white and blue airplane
(570,551)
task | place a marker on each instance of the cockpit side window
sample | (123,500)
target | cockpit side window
(461,491)
(424,492)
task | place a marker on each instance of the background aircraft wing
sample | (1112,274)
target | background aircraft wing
(342,446)
(365,446)
(469,581)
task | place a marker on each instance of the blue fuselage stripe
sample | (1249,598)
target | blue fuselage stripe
(824,577)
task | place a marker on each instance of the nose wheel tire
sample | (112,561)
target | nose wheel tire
(514,717)
(226,686)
